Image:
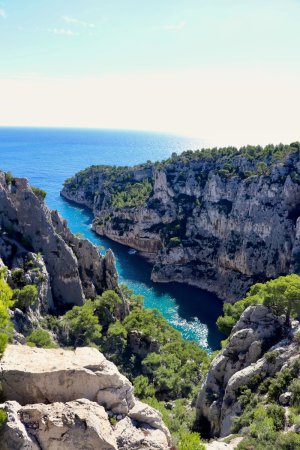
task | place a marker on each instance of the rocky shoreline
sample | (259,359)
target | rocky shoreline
(219,223)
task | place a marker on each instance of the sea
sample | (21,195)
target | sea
(47,156)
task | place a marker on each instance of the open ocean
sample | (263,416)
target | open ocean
(48,156)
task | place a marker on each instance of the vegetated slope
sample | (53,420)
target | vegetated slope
(219,219)
(44,271)
(252,388)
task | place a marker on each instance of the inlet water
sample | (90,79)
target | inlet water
(48,156)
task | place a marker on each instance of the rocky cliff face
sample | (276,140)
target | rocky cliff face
(38,242)
(215,221)
(256,351)
(58,399)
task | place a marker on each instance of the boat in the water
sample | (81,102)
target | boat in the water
(132,251)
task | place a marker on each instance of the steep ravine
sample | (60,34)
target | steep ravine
(219,220)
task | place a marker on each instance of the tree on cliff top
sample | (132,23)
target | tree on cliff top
(281,295)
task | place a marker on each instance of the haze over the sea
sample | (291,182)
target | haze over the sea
(226,71)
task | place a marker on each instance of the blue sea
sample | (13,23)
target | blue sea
(48,156)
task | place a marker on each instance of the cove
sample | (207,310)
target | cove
(49,156)
(190,310)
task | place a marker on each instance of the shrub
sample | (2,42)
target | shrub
(174,242)
(142,388)
(3,417)
(25,297)
(281,295)
(40,338)
(81,326)
(116,338)
(39,192)
(132,194)
(279,384)
(9,178)
(288,441)
(225,324)
(277,413)
(190,441)
(296,337)
(5,302)
(18,277)
(294,387)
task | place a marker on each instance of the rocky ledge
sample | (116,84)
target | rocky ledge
(59,400)
(220,220)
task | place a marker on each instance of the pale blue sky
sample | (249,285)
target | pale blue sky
(61,40)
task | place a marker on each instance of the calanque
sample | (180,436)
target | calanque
(84,365)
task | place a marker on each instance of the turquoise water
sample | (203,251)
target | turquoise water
(48,156)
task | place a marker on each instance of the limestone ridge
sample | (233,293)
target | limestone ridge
(61,399)
(72,268)
(257,349)
(218,222)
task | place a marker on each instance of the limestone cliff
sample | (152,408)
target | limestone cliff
(37,241)
(220,220)
(257,350)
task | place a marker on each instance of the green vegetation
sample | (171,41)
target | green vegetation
(81,325)
(170,372)
(40,338)
(262,156)
(25,297)
(262,419)
(227,164)
(18,277)
(190,441)
(3,418)
(39,192)
(174,241)
(281,295)
(9,178)
(131,194)
(179,418)
(6,327)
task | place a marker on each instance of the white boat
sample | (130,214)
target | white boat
(132,251)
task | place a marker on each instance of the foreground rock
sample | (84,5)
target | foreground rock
(242,362)
(221,223)
(50,386)
(79,425)
(75,266)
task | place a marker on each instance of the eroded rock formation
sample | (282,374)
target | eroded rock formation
(216,222)
(74,266)
(243,362)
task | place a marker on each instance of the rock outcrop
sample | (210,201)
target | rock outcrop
(75,267)
(243,362)
(60,399)
(221,223)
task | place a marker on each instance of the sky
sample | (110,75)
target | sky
(226,71)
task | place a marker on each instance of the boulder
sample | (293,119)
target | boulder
(133,436)
(59,399)
(80,425)
(33,375)
(286,399)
